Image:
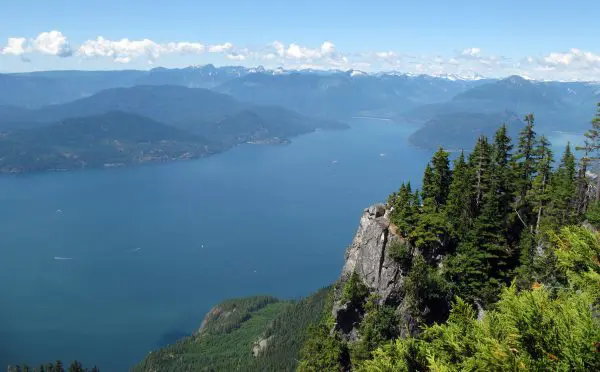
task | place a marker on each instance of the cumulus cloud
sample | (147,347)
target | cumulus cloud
(14,46)
(235,56)
(220,48)
(471,52)
(122,51)
(52,43)
(573,57)
(184,48)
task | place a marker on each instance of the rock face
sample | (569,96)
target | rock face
(368,257)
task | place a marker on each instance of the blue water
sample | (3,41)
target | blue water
(152,248)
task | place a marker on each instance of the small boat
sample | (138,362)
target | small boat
(62,258)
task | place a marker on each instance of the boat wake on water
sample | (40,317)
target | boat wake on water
(62,258)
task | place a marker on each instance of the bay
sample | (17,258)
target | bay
(105,265)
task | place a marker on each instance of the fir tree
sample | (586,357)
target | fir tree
(441,177)
(403,214)
(479,162)
(502,174)
(458,206)
(563,189)
(524,164)
(428,188)
(539,193)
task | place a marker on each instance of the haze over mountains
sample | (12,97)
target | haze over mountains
(207,109)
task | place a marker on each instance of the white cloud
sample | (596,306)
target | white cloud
(574,56)
(327,48)
(184,48)
(220,48)
(15,46)
(52,43)
(471,52)
(122,51)
(235,56)
(386,55)
(279,48)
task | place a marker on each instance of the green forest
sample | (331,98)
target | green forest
(57,366)
(502,266)
(232,330)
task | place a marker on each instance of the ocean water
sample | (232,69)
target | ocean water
(145,252)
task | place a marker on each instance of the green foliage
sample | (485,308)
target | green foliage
(458,208)
(234,327)
(426,293)
(537,329)
(322,351)
(354,291)
(405,208)
(402,253)
(593,214)
(57,366)
(380,324)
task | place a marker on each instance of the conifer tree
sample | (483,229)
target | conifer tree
(539,193)
(403,214)
(458,206)
(502,174)
(524,163)
(561,209)
(480,266)
(428,188)
(591,150)
(479,162)
(441,177)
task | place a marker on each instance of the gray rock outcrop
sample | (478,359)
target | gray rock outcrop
(368,257)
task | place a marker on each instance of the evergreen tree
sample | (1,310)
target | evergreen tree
(428,188)
(539,194)
(591,149)
(441,177)
(479,162)
(524,164)
(76,367)
(458,206)
(563,190)
(403,214)
(502,175)
(480,267)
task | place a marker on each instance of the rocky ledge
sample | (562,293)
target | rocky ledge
(368,257)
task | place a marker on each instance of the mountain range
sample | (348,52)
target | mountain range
(226,106)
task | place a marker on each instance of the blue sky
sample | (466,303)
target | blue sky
(543,39)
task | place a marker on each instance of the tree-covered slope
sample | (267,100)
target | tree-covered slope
(249,334)
(460,130)
(111,139)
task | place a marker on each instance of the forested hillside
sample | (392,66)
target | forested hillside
(249,334)
(499,264)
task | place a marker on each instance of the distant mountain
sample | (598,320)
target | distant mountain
(556,105)
(37,89)
(344,94)
(207,76)
(457,131)
(210,119)
(195,110)
(110,139)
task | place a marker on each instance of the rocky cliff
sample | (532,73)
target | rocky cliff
(368,256)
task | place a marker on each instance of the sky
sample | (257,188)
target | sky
(546,40)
